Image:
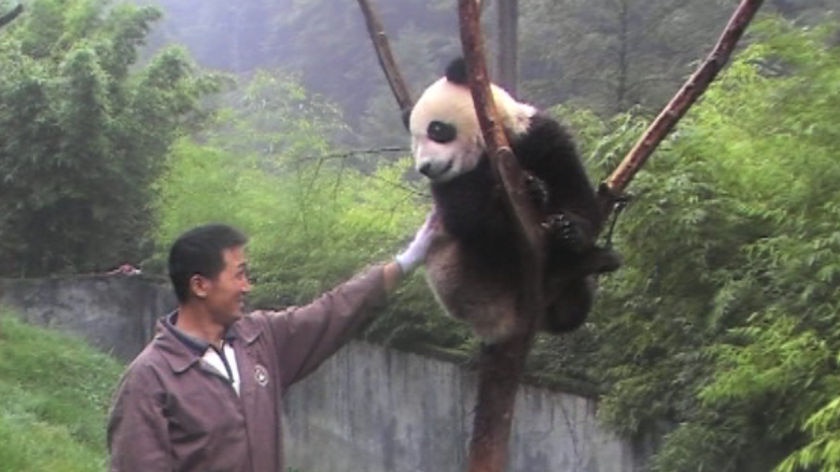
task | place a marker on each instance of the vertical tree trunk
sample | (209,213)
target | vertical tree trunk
(623,48)
(507,75)
(501,365)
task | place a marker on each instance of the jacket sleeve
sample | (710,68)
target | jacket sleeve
(308,335)
(138,437)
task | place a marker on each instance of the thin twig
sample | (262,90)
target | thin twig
(351,153)
(8,17)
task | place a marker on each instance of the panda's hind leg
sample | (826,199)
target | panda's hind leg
(572,302)
(571,290)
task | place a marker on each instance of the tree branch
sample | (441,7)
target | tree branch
(386,58)
(501,365)
(682,101)
(8,17)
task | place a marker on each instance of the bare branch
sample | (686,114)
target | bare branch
(501,365)
(386,58)
(8,17)
(682,101)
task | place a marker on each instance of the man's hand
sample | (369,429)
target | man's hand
(416,251)
(413,255)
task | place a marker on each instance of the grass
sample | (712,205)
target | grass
(54,396)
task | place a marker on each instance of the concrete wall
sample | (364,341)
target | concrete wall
(367,409)
(377,410)
(115,313)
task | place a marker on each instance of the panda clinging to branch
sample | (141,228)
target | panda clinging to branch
(473,267)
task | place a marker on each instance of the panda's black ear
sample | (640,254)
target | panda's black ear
(456,71)
(406,115)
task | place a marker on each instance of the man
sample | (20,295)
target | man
(205,394)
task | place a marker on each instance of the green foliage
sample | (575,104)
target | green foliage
(823,450)
(313,217)
(720,329)
(82,137)
(275,117)
(54,394)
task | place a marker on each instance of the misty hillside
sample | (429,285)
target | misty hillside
(600,54)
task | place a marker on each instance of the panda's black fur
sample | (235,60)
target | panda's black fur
(480,258)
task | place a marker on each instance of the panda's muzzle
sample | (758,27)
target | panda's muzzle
(433,171)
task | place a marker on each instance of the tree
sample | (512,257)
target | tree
(83,137)
(721,328)
(611,55)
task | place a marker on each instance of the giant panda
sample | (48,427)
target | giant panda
(473,267)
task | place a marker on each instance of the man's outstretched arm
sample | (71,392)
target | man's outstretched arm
(309,334)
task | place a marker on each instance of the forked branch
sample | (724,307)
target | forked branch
(501,367)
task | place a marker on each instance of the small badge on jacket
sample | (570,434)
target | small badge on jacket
(261,375)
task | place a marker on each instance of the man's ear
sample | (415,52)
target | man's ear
(199,286)
(406,115)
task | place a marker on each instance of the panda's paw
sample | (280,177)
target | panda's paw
(605,260)
(537,190)
(564,232)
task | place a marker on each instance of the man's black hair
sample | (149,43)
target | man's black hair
(199,251)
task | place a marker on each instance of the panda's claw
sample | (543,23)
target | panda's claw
(565,232)
(538,190)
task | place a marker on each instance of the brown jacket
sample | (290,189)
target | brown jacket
(172,412)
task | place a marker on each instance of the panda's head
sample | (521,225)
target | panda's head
(446,139)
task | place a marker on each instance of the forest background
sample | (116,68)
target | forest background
(717,342)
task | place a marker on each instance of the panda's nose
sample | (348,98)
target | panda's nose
(425,168)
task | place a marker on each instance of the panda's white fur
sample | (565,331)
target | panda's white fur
(445,98)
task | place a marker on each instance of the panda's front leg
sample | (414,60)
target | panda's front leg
(565,229)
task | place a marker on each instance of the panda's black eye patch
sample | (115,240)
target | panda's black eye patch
(441,132)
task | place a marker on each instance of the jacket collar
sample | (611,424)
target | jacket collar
(182,351)
(177,354)
(197,345)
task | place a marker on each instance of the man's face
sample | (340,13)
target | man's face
(226,293)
